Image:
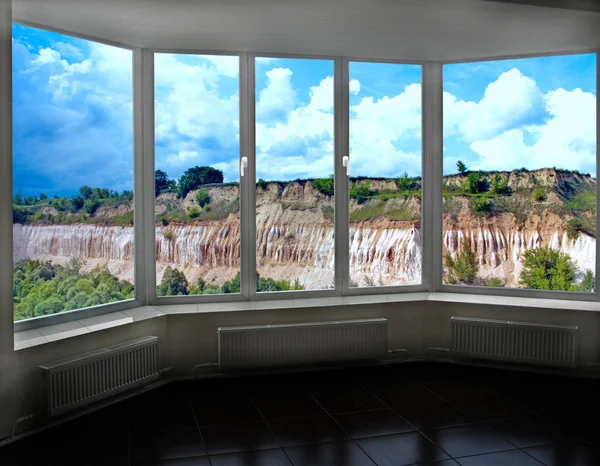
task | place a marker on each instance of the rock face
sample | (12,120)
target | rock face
(295,235)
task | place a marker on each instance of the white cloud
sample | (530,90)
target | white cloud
(354,86)
(510,101)
(278,97)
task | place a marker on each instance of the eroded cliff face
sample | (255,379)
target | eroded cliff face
(295,236)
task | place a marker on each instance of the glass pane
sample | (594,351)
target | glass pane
(197,174)
(73,173)
(294,172)
(520,173)
(385,169)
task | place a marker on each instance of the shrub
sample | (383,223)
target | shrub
(495,282)
(475,184)
(168,234)
(465,266)
(262,184)
(324,185)
(164,220)
(539,194)
(499,186)
(405,183)
(574,227)
(588,283)
(202,197)
(547,269)
(481,205)
(173,283)
(232,286)
(91,206)
(193,213)
(361,192)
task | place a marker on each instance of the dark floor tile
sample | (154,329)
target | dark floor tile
(289,404)
(158,445)
(425,416)
(373,423)
(162,414)
(307,430)
(503,458)
(448,462)
(526,432)
(337,399)
(566,454)
(195,461)
(329,454)
(404,392)
(473,439)
(401,449)
(490,408)
(225,409)
(274,457)
(236,438)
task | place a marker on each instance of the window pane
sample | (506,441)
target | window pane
(294,172)
(520,173)
(73,173)
(385,169)
(197,174)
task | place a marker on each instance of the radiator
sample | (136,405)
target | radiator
(83,379)
(289,344)
(527,342)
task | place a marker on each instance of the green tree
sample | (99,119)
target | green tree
(405,183)
(262,184)
(43,196)
(461,167)
(18,200)
(588,283)
(574,228)
(91,206)
(85,192)
(161,182)
(195,177)
(77,203)
(232,286)
(202,197)
(481,205)
(498,186)
(465,266)
(475,184)
(324,185)
(546,268)
(173,283)
(193,213)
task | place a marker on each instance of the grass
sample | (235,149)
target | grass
(377,210)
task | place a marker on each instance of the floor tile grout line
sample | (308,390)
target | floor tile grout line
(407,421)
(342,429)
(190,404)
(270,428)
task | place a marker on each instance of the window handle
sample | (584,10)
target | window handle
(346,163)
(243,165)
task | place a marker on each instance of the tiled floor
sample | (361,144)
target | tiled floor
(421,413)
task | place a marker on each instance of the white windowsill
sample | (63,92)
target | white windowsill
(52,333)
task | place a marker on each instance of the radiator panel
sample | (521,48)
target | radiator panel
(294,344)
(526,342)
(83,379)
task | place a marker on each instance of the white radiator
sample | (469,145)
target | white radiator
(88,377)
(526,342)
(289,344)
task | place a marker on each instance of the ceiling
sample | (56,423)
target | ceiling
(392,29)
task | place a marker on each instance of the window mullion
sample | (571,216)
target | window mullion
(431,203)
(247,182)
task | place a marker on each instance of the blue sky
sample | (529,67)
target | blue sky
(73,115)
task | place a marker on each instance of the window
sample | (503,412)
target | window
(519,186)
(73,173)
(197,174)
(294,174)
(385,168)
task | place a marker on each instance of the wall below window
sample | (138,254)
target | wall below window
(191,339)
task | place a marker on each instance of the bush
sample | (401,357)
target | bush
(465,266)
(547,269)
(361,192)
(91,206)
(495,282)
(193,213)
(262,184)
(324,185)
(481,205)
(232,286)
(168,234)
(164,220)
(538,195)
(173,283)
(475,184)
(202,197)
(574,228)
(499,186)
(405,183)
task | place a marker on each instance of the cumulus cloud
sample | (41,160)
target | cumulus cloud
(516,125)
(278,97)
